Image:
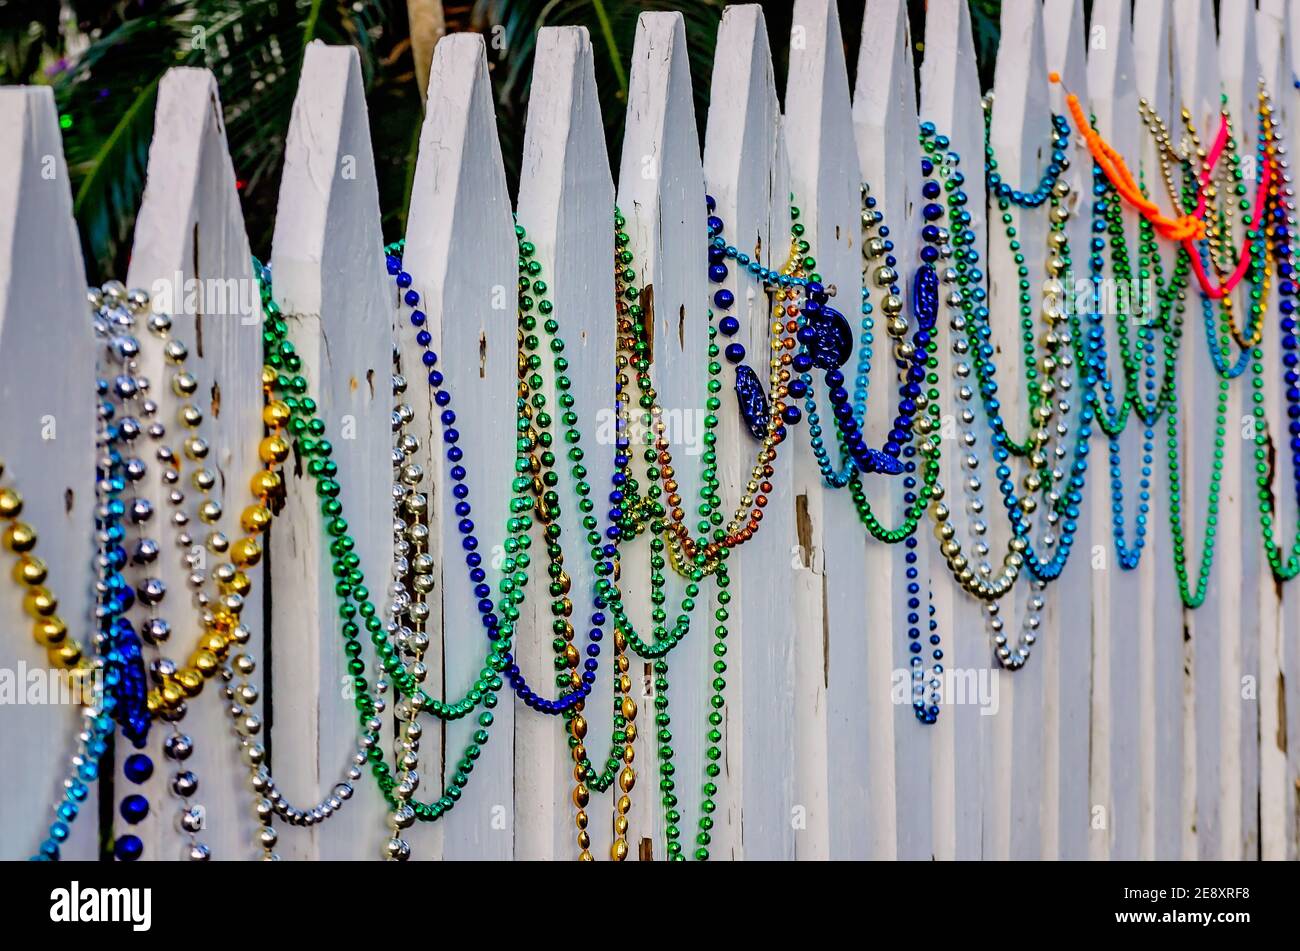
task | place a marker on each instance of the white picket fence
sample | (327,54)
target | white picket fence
(1138,729)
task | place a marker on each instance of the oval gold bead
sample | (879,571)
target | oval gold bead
(40,602)
(627,779)
(50,631)
(255,519)
(205,662)
(273,449)
(620,825)
(30,570)
(629,708)
(624,805)
(11,503)
(581,796)
(584,840)
(19,537)
(246,552)
(618,851)
(265,484)
(275,414)
(579,727)
(66,655)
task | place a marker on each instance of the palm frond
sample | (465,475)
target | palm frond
(512,26)
(255,49)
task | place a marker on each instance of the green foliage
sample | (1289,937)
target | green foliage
(255,48)
(512,27)
(108,95)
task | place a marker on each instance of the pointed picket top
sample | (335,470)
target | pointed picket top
(461,254)
(950,98)
(566,205)
(1239,69)
(1273,36)
(950,89)
(884,111)
(191,253)
(1153,53)
(885,124)
(335,294)
(1022,107)
(1196,64)
(661,195)
(746,171)
(1111,75)
(47,444)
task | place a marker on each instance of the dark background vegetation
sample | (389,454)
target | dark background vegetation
(105,60)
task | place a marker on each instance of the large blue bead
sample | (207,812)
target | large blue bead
(138,767)
(128,848)
(134,808)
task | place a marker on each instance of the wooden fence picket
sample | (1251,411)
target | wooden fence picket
(1243,555)
(950,98)
(1073,609)
(884,100)
(566,196)
(1020,134)
(746,171)
(1163,654)
(1197,72)
(461,254)
(826,182)
(331,284)
(190,229)
(661,194)
(47,444)
(1114,787)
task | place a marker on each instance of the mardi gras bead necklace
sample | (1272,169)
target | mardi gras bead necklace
(1281,229)
(1108,219)
(88,672)
(1066,498)
(1049,186)
(128,412)
(1189,227)
(533,485)
(213,590)
(638,510)
(1219,255)
(546,502)
(879,243)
